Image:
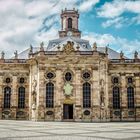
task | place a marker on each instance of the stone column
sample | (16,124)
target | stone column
(123,98)
(57,96)
(34,92)
(137,99)
(110,98)
(1,96)
(14,98)
(78,96)
(96,97)
(41,96)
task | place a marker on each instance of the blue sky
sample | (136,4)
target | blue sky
(113,22)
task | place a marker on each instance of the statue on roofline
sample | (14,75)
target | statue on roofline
(16,54)
(2,55)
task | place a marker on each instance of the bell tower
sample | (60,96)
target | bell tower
(69,23)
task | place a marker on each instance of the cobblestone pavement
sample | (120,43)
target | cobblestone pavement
(27,130)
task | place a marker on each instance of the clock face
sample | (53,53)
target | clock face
(69,33)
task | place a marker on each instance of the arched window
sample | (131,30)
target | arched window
(116,98)
(49,95)
(130,97)
(21,97)
(86,95)
(7,97)
(69,23)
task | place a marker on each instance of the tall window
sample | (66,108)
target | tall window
(49,95)
(7,97)
(21,97)
(86,95)
(69,23)
(130,97)
(116,98)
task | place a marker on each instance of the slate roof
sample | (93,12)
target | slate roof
(111,53)
(83,44)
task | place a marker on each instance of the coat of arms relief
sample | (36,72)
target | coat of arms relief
(68,48)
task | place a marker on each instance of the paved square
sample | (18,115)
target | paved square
(27,130)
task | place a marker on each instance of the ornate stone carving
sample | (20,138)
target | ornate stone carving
(34,91)
(68,89)
(34,85)
(68,48)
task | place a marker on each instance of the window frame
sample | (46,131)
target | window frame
(7,97)
(130,97)
(21,97)
(86,95)
(116,97)
(49,95)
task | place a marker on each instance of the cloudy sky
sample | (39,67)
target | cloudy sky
(113,22)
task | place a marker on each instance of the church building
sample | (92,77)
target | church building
(70,80)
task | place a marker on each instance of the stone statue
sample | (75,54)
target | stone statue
(121,55)
(78,47)
(31,49)
(106,49)
(102,98)
(34,91)
(34,85)
(16,54)
(58,47)
(41,46)
(2,55)
(136,55)
(95,46)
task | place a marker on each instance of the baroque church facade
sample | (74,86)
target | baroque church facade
(70,80)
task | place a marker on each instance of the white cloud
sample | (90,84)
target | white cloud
(117,22)
(87,5)
(113,11)
(117,43)
(136,19)
(30,22)
(117,7)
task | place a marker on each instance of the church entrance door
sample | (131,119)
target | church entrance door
(68,111)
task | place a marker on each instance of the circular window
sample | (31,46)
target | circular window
(115,80)
(21,80)
(50,75)
(117,113)
(86,75)
(68,76)
(8,80)
(49,112)
(130,80)
(86,112)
